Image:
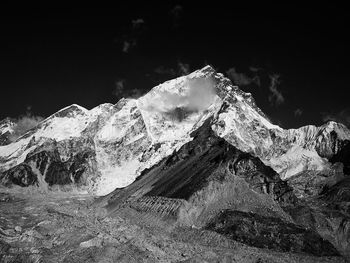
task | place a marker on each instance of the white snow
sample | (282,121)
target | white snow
(15,153)
(63,128)
(296,160)
(54,127)
(118,125)
(100,110)
(113,177)
(74,106)
(5,129)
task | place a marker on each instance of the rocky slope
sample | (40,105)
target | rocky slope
(210,184)
(65,229)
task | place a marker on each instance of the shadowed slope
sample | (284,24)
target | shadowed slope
(204,160)
(207,176)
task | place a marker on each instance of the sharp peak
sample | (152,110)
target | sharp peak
(207,68)
(65,111)
(333,125)
(73,106)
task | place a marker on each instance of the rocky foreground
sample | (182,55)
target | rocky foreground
(59,228)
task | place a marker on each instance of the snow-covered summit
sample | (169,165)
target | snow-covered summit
(135,134)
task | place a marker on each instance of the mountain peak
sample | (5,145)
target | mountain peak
(70,111)
(335,125)
(135,134)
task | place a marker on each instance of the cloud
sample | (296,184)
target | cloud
(257,76)
(181,69)
(201,94)
(24,123)
(165,71)
(131,36)
(298,112)
(254,69)
(275,98)
(126,46)
(176,14)
(184,69)
(137,23)
(198,96)
(242,79)
(134,94)
(129,44)
(342,116)
(120,90)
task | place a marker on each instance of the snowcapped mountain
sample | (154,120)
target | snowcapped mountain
(109,146)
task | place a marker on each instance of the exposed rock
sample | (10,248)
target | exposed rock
(203,177)
(313,183)
(6,129)
(343,156)
(21,175)
(44,167)
(338,196)
(94,242)
(269,232)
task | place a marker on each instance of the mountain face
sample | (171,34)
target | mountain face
(199,151)
(109,146)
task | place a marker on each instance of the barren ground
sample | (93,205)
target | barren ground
(56,227)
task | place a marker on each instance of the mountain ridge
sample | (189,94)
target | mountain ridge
(127,133)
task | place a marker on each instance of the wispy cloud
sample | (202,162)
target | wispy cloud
(176,14)
(255,69)
(134,94)
(242,79)
(199,95)
(259,77)
(121,90)
(276,98)
(298,112)
(342,116)
(24,123)
(180,69)
(184,68)
(126,46)
(130,38)
(165,71)
(137,23)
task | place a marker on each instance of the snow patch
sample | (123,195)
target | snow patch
(296,160)
(113,177)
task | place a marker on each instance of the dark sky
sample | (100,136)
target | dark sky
(55,57)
